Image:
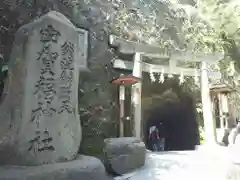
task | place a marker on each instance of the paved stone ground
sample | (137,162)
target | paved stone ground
(206,163)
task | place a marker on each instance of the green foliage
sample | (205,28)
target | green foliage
(154,21)
(15,13)
(202,136)
(210,26)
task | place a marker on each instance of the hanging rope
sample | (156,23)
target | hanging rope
(161,78)
(181,78)
(152,76)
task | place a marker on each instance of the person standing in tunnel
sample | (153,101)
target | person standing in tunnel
(156,138)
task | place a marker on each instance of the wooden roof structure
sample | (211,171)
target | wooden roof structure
(220,88)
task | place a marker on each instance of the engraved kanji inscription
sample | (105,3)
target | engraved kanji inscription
(47,59)
(49,34)
(42,141)
(41,110)
(66,77)
(45,87)
(67,48)
(66,65)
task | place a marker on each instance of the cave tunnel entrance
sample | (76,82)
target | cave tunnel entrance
(172,109)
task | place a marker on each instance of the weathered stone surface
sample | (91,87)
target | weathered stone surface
(84,168)
(235,149)
(222,136)
(237,140)
(232,135)
(39,116)
(123,155)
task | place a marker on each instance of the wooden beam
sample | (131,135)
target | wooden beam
(146,67)
(130,47)
(136,97)
(221,88)
(210,58)
(188,56)
(121,105)
(221,113)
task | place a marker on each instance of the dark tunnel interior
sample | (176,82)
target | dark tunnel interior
(179,125)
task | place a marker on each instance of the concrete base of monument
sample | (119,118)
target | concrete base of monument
(84,168)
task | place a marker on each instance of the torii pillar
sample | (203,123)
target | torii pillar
(209,122)
(136,97)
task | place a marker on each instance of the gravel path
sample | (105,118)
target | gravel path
(206,163)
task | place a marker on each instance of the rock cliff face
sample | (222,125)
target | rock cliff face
(97,100)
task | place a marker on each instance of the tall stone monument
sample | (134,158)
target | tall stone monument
(40,111)
(40,131)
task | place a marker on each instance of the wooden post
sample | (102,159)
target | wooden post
(220,111)
(223,107)
(209,123)
(225,110)
(136,97)
(121,103)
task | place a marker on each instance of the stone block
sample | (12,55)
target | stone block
(123,155)
(83,168)
(232,136)
(237,140)
(39,116)
(222,136)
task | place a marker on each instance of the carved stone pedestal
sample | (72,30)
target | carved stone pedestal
(83,168)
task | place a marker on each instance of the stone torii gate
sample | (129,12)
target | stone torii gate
(137,66)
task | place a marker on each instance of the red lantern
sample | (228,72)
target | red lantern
(122,81)
(125,80)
